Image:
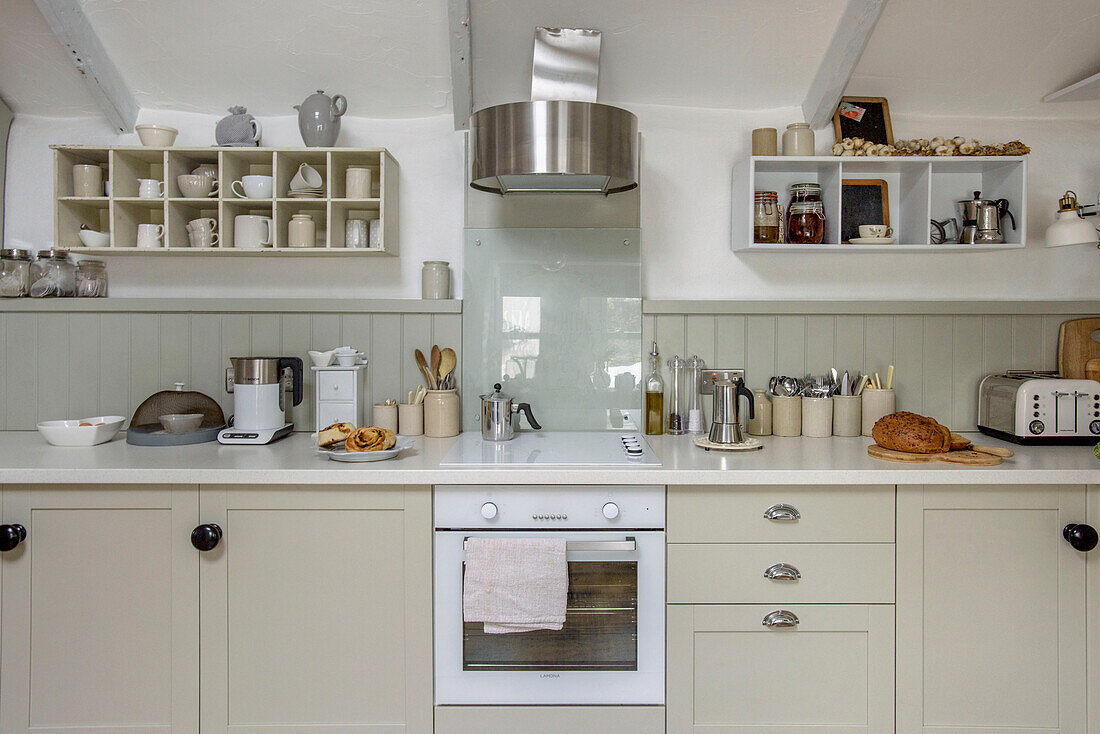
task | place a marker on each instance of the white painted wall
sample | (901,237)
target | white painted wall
(687,155)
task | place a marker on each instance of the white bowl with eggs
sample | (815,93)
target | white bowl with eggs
(81,432)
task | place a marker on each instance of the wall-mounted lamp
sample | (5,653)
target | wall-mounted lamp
(1070,226)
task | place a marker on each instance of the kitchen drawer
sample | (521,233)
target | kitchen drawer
(336,385)
(330,412)
(836,573)
(826,514)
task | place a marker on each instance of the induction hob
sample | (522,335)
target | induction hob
(553,448)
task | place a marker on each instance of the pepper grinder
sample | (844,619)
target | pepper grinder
(677,396)
(697,419)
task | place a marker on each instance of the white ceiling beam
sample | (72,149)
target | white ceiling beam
(462,83)
(1086,89)
(67,20)
(840,59)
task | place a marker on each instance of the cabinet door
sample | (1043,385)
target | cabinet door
(316,610)
(1092,607)
(728,673)
(100,611)
(991,610)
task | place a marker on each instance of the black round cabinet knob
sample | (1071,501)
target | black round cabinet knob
(11,536)
(206,537)
(1080,536)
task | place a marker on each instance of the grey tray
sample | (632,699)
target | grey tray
(157,436)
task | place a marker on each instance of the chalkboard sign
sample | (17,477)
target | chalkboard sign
(862,201)
(863,117)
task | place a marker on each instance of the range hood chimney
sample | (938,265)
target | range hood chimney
(563,140)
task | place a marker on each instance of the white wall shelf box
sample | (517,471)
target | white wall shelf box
(123,211)
(920,188)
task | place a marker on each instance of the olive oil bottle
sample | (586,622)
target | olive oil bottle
(654,396)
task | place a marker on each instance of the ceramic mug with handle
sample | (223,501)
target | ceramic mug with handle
(150,235)
(251,231)
(253,187)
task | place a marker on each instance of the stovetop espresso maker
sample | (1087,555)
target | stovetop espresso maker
(726,426)
(981,220)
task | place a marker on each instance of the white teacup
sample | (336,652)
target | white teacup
(253,187)
(196,185)
(875,230)
(150,188)
(307,177)
(149,235)
(202,238)
(251,231)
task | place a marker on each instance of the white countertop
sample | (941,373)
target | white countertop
(26,458)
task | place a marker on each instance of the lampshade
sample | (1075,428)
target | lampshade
(1069,227)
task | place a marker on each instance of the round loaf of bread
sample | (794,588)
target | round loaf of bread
(911,433)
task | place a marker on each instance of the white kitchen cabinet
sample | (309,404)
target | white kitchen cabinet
(316,610)
(100,611)
(990,610)
(728,673)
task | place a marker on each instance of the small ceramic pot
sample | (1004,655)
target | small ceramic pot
(786,415)
(385,416)
(876,404)
(817,417)
(761,422)
(847,412)
(410,418)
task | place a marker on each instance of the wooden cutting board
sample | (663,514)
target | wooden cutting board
(974,456)
(1076,347)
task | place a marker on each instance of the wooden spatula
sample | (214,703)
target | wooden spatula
(423,365)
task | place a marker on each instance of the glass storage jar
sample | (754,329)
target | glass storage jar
(765,217)
(806,223)
(53,274)
(91,279)
(805,192)
(15,272)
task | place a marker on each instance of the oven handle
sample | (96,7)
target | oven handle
(626,546)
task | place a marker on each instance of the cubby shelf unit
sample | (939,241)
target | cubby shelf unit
(120,213)
(920,188)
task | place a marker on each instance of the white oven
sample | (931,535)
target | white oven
(611,649)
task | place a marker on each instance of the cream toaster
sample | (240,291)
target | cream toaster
(1039,407)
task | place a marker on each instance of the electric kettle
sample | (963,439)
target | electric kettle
(726,424)
(258,408)
(497,415)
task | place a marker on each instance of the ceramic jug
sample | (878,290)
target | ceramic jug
(319,118)
(238,129)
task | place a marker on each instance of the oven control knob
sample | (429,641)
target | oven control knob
(610,510)
(488,510)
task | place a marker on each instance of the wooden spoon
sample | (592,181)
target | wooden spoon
(447,361)
(423,365)
(436,356)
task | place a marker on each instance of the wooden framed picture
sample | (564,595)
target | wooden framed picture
(863,117)
(862,201)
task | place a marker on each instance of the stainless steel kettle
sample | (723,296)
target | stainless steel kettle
(726,425)
(497,411)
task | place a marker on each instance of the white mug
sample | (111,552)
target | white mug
(307,177)
(253,187)
(87,180)
(149,235)
(202,223)
(251,231)
(874,230)
(202,238)
(358,183)
(150,188)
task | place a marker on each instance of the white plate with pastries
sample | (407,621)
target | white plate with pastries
(337,451)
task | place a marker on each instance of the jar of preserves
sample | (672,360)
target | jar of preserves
(91,279)
(53,274)
(765,217)
(805,192)
(806,223)
(15,272)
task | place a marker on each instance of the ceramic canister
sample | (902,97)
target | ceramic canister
(301,231)
(876,404)
(441,413)
(817,417)
(786,415)
(410,419)
(847,415)
(761,422)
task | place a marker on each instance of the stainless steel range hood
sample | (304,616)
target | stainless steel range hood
(562,141)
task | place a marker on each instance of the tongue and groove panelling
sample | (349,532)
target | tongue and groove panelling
(939,357)
(60,364)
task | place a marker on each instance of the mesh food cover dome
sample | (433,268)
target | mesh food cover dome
(146,429)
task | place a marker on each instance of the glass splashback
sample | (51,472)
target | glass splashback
(555,316)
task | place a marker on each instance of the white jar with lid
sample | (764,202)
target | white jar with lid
(435,280)
(798,139)
(301,231)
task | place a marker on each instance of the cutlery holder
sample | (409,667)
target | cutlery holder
(385,416)
(410,419)
(817,417)
(847,414)
(441,413)
(786,415)
(876,404)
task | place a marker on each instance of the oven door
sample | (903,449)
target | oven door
(610,651)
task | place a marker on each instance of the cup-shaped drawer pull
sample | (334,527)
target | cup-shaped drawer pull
(782,572)
(780,618)
(782,513)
